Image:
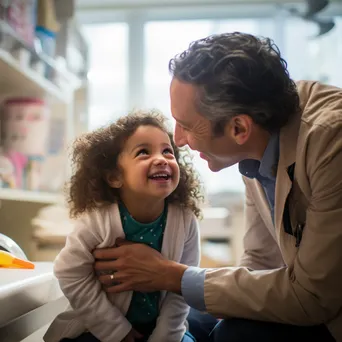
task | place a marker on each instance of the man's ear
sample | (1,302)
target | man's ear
(241,127)
(114,181)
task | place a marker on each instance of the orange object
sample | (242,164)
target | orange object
(7,260)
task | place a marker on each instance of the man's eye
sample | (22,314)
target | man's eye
(168,151)
(142,152)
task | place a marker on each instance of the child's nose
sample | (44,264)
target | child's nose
(160,160)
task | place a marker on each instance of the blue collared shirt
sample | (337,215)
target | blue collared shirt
(265,171)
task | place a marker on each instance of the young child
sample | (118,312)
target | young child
(129,182)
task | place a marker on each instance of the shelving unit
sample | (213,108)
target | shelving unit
(17,80)
(24,80)
(66,100)
(30,196)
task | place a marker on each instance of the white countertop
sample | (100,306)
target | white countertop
(24,290)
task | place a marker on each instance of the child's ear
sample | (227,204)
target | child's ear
(114,181)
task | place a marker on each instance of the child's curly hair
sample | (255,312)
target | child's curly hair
(95,154)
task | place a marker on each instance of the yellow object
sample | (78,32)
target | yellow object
(7,260)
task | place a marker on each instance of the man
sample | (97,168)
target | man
(234,102)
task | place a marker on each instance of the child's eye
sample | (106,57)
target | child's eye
(142,152)
(168,150)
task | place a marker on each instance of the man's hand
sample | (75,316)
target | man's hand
(137,267)
(132,336)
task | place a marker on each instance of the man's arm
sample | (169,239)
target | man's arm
(307,292)
(261,252)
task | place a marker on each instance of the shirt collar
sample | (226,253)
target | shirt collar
(267,167)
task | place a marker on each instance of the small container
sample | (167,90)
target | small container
(26,126)
(32,173)
(47,40)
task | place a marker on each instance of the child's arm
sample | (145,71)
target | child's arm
(74,268)
(174,311)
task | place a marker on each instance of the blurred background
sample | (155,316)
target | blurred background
(71,66)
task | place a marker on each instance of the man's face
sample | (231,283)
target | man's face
(194,130)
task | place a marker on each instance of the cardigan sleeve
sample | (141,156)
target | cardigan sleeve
(74,268)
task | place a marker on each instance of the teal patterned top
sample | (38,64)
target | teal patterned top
(144,307)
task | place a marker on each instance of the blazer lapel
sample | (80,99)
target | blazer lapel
(264,207)
(287,157)
(283,187)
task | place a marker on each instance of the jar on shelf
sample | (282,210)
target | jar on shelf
(25,133)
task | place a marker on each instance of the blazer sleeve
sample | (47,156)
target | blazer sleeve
(174,311)
(261,251)
(74,268)
(307,292)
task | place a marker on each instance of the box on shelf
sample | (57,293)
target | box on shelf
(25,129)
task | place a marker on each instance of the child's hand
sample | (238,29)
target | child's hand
(132,336)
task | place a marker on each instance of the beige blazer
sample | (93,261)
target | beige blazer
(278,281)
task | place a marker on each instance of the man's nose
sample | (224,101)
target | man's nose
(179,137)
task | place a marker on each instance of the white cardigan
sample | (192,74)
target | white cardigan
(104,314)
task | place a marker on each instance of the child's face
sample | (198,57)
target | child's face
(148,166)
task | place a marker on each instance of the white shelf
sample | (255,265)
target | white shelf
(30,196)
(26,80)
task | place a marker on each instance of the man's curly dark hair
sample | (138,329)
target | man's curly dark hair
(96,154)
(238,73)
